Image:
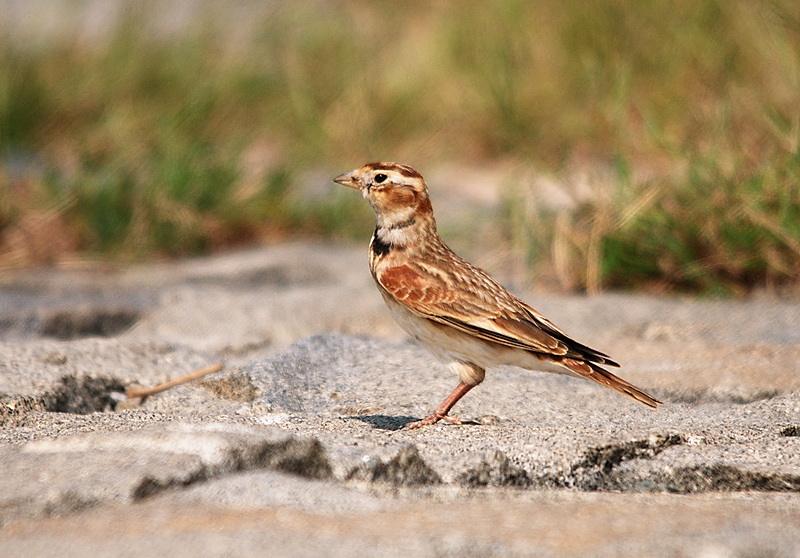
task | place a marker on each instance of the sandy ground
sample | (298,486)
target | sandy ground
(297,447)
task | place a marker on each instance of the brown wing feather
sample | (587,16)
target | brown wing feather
(604,377)
(592,355)
(488,312)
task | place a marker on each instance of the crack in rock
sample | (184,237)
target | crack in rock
(497,470)
(62,476)
(594,471)
(302,457)
(259,277)
(93,322)
(82,395)
(599,470)
(791,431)
(407,468)
(719,478)
(68,502)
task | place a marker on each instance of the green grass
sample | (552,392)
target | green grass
(174,143)
(706,230)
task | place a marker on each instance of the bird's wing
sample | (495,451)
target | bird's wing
(474,303)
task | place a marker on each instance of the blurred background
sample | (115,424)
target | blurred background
(581,146)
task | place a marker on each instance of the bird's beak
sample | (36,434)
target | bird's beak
(349,179)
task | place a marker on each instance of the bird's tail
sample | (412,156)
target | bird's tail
(602,376)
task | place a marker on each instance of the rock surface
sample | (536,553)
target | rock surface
(297,446)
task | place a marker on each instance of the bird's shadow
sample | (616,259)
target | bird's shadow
(388,422)
(385,422)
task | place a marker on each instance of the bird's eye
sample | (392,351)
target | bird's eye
(380,178)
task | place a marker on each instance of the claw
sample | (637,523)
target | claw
(441,411)
(432,419)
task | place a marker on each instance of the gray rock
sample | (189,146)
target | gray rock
(495,470)
(559,431)
(406,468)
(63,475)
(297,447)
(270,488)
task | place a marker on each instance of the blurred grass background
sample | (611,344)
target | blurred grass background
(131,130)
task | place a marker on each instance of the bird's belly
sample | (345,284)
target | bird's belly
(449,344)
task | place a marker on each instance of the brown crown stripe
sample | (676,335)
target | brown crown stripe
(405,170)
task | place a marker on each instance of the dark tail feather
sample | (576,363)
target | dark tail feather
(591,371)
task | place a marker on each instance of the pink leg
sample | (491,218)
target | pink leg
(444,407)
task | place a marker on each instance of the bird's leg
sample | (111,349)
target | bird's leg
(444,407)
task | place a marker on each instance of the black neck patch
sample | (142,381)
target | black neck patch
(402,224)
(379,247)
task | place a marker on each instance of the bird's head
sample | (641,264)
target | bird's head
(396,192)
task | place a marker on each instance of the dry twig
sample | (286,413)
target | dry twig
(142,392)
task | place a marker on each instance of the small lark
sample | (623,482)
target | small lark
(453,308)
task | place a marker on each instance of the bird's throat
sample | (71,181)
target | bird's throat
(401,229)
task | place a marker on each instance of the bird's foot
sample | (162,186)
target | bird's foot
(432,419)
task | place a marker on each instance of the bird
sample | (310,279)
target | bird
(457,311)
